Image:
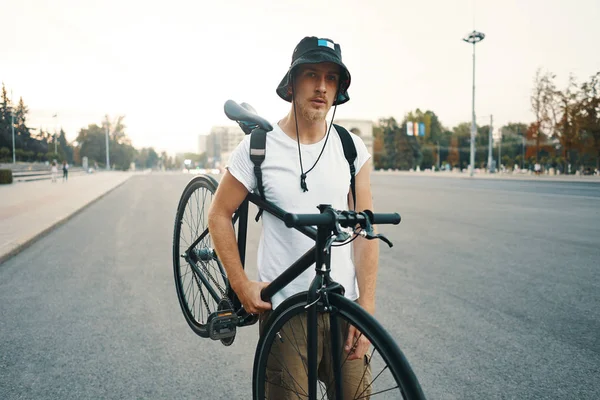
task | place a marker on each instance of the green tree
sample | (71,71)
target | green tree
(92,144)
(5,120)
(512,140)
(590,115)
(568,123)
(462,132)
(378,149)
(543,105)
(389,129)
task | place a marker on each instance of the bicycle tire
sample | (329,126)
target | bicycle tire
(190,222)
(396,364)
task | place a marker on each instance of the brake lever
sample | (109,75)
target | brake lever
(370,236)
(383,239)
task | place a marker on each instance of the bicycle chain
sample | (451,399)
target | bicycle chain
(201,293)
(212,278)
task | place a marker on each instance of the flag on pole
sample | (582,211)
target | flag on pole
(416,128)
(421,129)
(409,128)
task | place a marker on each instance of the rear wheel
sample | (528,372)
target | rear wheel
(280,364)
(200,279)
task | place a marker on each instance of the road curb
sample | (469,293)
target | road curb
(39,235)
(501,177)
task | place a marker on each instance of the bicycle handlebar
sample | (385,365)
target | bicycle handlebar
(345,220)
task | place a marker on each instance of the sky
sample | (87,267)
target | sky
(169,66)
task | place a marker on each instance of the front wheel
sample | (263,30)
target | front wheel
(280,369)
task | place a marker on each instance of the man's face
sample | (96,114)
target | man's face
(316,88)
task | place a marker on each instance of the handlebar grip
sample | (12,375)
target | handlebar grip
(393,218)
(297,220)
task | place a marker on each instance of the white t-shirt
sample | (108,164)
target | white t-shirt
(328,183)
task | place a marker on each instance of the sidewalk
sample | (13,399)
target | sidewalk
(502,176)
(29,210)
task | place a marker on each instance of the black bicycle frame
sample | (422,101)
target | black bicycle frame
(241,215)
(321,284)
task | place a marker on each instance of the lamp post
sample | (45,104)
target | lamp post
(12,127)
(107,148)
(474,38)
(55,135)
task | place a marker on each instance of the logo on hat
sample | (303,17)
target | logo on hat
(326,43)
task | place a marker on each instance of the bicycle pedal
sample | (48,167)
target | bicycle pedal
(222,325)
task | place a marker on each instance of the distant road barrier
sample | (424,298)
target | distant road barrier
(25,176)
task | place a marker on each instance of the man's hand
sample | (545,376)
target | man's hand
(356,344)
(249,295)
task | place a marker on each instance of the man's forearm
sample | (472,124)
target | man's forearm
(223,238)
(366,261)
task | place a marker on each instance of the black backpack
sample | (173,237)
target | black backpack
(258,142)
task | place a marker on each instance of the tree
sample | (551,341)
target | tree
(389,129)
(92,144)
(590,115)
(482,141)
(543,105)
(513,143)
(146,158)
(401,150)
(453,153)
(568,122)
(5,120)
(462,132)
(378,148)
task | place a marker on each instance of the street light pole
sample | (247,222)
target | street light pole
(55,136)
(12,127)
(107,151)
(474,38)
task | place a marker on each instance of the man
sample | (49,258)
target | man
(304,167)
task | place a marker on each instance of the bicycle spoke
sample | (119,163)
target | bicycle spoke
(288,389)
(297,348)
(364,373)
(373,380)
(288,372)
(367,396)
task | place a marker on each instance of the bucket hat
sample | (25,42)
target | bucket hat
(314,50)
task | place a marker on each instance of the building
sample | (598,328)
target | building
(360,127)
(202,143)
(221,142)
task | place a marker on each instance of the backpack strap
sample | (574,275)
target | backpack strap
(258,148)
(350,154)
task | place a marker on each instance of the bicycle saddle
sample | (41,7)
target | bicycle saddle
(245,114)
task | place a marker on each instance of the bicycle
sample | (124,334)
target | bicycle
(212,309)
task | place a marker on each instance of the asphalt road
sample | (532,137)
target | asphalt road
(492,290)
